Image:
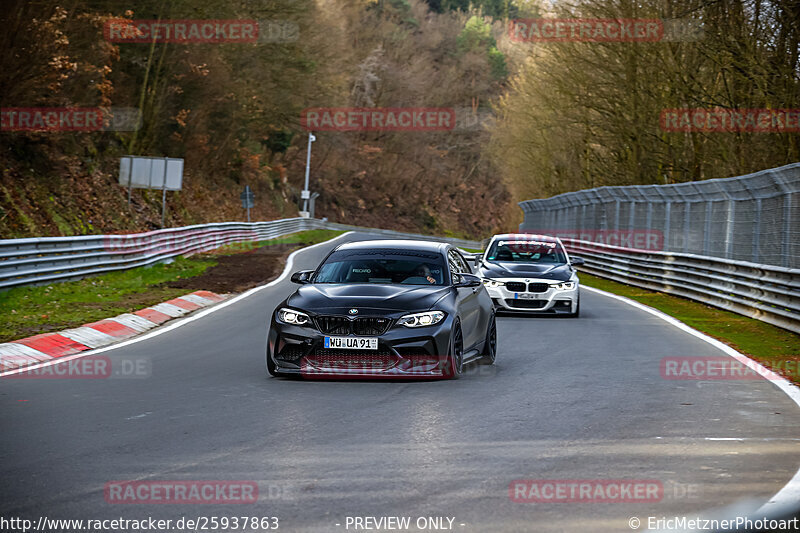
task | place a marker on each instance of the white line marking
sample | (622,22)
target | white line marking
(139,416)
(178,323)
(790,493)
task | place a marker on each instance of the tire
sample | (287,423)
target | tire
(455,358)
(490,345)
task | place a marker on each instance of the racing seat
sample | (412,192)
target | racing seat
(504,255)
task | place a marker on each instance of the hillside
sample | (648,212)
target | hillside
(233,111)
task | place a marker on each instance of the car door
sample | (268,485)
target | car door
(468,302)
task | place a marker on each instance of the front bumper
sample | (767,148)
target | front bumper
(413,353)
(523,300)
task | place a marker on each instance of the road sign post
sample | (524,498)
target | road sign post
(305,195)
(159,173)
(248,200)
(164,195)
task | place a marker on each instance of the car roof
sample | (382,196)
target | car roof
(394,244)
(526,237)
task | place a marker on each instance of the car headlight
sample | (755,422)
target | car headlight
(492,283)
(290,316)
(417,320)
(566,286)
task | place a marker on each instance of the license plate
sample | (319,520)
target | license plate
(525,296)
(352,343)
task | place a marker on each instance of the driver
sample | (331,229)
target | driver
(424,272)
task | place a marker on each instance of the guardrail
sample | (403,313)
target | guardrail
(746,218)
(49,259)
(764,292)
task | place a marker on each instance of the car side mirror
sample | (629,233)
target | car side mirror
(468,280)
(302,276)
(576,261)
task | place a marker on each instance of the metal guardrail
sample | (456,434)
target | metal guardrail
(49,259)
(764,292)
(746,218)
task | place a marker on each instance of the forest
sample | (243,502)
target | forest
(531,117)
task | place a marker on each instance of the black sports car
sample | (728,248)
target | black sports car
(384,309)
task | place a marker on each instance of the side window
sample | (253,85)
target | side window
(463,263)
(455,268)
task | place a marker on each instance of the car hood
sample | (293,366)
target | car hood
(367,298)
(502,269)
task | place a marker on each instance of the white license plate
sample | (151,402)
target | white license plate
(352,343)
(525,296)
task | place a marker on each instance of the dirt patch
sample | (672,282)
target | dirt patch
(239,272)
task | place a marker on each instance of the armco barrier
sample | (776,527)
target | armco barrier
(747,218)
(764,292)
(48,259)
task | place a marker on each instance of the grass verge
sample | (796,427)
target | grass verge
(776,348)
(29,310)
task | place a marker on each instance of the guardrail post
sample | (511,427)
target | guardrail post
(632,216)
(707,231)
(787,229)
(729,226)
(757,232)
(583,217)
(687,218)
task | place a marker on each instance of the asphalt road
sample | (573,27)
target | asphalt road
(568,399)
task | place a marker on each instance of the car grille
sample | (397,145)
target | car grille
(291,352)
(340,325)
(342,360)
(538,287)
(526,304)
(334,325)
(370,326)
(518,286)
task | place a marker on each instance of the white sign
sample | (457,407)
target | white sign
(141,172)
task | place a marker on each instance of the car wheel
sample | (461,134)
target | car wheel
(490,346)
(455,357)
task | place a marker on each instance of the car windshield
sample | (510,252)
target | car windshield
(527,251)
(382,266)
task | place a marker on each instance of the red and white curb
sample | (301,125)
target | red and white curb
(49,346)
